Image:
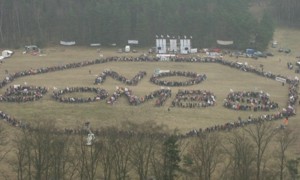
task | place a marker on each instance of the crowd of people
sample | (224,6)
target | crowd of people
(195,78)
(288,111)
(162,95)
(20,93)
(249,100)
(285,113)
(234,64)
(12,121)
(59,95)
(194,99)
(134,81)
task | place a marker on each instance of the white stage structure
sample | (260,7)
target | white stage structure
(161,46)
(185,46)
(173,45)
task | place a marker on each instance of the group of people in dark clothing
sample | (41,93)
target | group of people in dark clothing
(195,78)
(162,95)
(101,78)
(12,76)
(249,100)
(279,115)
(60,95)
(203,97)
(20,93)
(194,99)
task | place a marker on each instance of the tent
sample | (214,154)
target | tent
(7,53)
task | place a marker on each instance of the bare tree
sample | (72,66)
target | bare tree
(241,156)
(41,141)
(122,148)
(115,155)
(42,153)
(156,161)
(33,152)
(23,155)
(61,157)
(144,143)
(261,134)
(5,148)
(284,139)
(107,157)
(206,154)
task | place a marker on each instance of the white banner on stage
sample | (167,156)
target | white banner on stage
(133,42)
(221,42)
(67,43)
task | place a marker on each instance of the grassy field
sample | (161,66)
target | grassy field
(220,80)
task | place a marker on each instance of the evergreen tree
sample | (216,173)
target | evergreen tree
(265,31)
(171,157)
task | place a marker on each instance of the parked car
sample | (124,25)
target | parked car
(274,44)
(260,54)
(31,49)
(254,56)
(286,50)
(268,53)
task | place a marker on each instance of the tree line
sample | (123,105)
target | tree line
(149,151)
(46,22)
(286,12)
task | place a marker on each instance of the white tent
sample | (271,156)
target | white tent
(161,46)
(185,46)
(7,53)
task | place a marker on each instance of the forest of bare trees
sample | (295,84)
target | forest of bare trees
(147,151)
